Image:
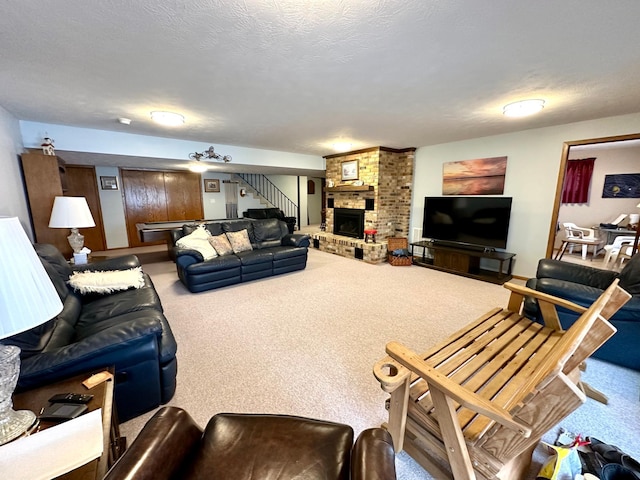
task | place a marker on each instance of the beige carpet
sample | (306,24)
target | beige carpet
(304,344)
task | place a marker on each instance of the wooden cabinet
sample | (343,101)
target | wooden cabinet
(468,263)
(43,183)
(155,196)
(47,177)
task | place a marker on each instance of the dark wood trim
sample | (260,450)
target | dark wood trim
(563,169)
(371,149)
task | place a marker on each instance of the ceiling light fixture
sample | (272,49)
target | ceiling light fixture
(342,146)
(198,167)
(168,119)
(124,121)
(523,108)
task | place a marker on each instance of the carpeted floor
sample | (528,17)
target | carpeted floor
(304,344)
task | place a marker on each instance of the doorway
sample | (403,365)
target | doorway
(566,154)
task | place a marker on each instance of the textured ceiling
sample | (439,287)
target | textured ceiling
(299,75)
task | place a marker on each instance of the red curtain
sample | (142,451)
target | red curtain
(577,180)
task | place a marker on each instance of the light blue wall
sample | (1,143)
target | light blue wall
(13,199)
(117,143)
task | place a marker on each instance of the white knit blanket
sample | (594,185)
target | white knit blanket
(106,281)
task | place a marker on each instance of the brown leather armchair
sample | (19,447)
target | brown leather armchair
(254,447)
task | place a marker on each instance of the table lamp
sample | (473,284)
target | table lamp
(73,213)
(27,299)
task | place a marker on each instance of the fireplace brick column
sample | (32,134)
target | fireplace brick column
(382,189)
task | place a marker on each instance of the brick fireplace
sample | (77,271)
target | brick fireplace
(381,187)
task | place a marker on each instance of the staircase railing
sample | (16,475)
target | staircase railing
(272,194)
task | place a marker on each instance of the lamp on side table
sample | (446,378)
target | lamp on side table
(73,213)
(27,299)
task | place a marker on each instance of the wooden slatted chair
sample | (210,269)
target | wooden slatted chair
(476,405)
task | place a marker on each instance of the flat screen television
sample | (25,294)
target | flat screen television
(467,221)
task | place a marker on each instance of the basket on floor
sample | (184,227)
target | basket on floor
(398,243)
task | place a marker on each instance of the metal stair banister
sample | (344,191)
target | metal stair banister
(270,192)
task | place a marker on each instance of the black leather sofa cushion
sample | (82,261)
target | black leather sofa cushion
(253,257)
(215,264)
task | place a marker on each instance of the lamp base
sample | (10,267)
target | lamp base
(12,423)
(76,240)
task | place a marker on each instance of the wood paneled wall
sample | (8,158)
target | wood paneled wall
(152,196)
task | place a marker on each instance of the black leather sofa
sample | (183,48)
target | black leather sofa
(245,446)
(261,213)
(275,251)
(125,329)
(582,285)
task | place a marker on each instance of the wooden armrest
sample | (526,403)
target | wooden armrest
(545,297)
(457,392)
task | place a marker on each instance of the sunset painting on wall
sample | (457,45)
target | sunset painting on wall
(484,176)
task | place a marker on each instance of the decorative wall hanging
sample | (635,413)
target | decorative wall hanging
(212,185)
(210,153)
(109,183)
(625,185)
(350,170)
(483,176)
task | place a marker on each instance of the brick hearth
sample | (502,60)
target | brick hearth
(350,247)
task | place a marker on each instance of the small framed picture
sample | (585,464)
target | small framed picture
(109,183)
(350,170)
(212,185)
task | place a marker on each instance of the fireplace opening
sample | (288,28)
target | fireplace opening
(348,222)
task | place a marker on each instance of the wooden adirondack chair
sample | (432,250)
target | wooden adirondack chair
(476,405)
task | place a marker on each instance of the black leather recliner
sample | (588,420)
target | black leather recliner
(125,329)
(259,213)
(583,285)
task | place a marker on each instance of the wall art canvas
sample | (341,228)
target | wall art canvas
(624,185)
(483,176)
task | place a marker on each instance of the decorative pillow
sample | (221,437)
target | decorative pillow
(106,281)
(221,244)
(198,240)
(239,241)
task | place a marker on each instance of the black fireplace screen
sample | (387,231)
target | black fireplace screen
(348,222)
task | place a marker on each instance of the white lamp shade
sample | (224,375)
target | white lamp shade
(27,296)
(71,212)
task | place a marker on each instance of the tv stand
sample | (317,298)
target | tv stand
(465,262)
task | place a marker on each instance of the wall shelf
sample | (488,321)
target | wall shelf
(351,188)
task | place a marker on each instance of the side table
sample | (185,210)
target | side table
(114,445)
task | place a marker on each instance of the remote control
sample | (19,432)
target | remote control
(71,398)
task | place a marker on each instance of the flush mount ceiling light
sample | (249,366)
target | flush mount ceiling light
(342,146)
(169,119)
(523,108)
(198,167)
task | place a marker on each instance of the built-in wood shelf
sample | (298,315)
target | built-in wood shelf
(351,188)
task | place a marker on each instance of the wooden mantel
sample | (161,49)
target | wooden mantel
(351,188)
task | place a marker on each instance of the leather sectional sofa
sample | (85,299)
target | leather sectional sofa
(274,251)
(583,285)
(125,329)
